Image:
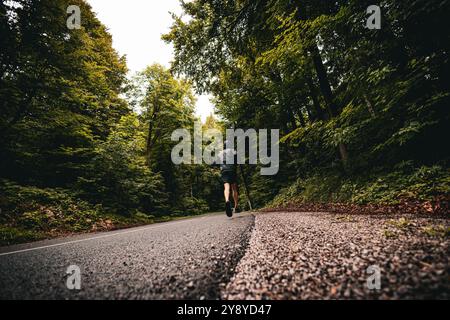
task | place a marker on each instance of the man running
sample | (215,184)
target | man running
(229,178)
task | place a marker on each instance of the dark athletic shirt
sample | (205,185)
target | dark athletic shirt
(227,166)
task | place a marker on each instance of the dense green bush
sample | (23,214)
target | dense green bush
(30,213)
(45,209)
(404,183)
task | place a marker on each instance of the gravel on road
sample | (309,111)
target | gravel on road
(293,255)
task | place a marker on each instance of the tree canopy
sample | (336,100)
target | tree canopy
(349,101)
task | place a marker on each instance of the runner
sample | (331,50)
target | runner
(229,177)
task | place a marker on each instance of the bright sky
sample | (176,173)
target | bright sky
(136,27)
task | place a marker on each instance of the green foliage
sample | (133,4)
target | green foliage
(407,183)
(191,206)
(118,176)
(59,91)
(352,104)
(439,231)
(32,213)
(401,223)
(422,184)
(74,154)
(10,235)
(167,104)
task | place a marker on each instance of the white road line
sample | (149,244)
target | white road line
(92,238)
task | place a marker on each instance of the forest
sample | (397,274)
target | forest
(363,113)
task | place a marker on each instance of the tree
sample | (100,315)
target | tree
(118,176)
(313,70)
(165,102)
(60,91)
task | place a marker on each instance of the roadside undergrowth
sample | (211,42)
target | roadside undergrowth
(421,190)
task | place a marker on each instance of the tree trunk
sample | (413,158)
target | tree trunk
(150,141)
(325,88)
(324,83)
(148,150)
(369,106)
(286,112)
(312,91)
(343,152)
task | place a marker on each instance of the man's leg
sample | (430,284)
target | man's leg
(226,191)
(234,187)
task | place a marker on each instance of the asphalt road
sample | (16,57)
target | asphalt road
(190,259)
(274,255)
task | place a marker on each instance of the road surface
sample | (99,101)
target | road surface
(274,255)
(189,259)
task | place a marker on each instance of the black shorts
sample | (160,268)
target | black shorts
(229,177)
